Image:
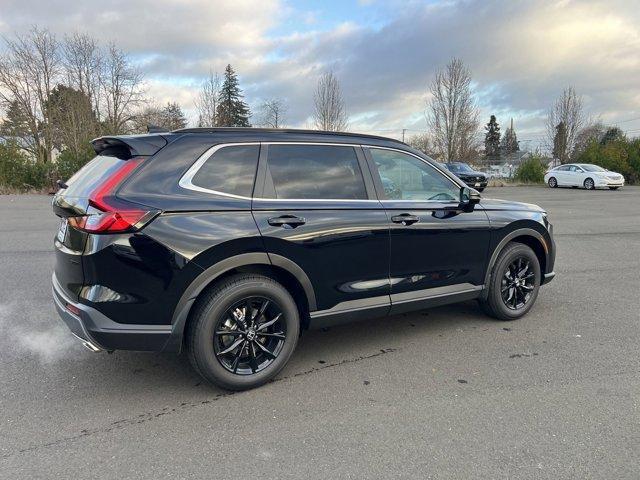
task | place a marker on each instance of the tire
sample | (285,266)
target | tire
(481,189)
(589,184)
(613,188)
(223,308)
(495,304)
(553,183)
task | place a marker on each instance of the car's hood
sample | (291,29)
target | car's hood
(471,174)
(495,204)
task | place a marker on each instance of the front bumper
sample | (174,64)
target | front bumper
(97,332)
(607,182)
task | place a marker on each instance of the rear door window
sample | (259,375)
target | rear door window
(314,172)
(230,170)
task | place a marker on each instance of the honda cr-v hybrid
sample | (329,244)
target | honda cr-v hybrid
(227,243)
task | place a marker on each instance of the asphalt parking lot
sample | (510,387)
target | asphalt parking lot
(446,393)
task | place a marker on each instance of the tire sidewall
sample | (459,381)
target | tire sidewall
(593,184)
(209,315)
(505,258)
(553,184)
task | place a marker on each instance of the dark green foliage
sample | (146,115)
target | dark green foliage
(531,170)
(19,172)
(492,138)
(232,111)
(614,152)
(509,142)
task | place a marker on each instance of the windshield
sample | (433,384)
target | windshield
(593,168)
(459,167)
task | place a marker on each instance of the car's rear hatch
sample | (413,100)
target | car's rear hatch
(87,203)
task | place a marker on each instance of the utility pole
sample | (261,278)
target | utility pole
(403,130)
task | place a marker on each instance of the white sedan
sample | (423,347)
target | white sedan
(583,175)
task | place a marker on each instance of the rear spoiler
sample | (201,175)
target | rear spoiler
(128,146)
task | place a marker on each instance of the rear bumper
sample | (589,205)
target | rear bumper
(97,332)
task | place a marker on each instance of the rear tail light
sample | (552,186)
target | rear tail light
(114,215)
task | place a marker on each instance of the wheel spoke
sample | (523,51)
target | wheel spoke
(266,351)
(527,287)
(229,332)
(264,325)
(233,346)
(263,308)
(253,362)
(236,360)
(274,335)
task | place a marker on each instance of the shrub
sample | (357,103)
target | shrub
(67,163)
(619,154)
(18,171)
(531,170)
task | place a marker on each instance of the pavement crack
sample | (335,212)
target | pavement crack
(184,406)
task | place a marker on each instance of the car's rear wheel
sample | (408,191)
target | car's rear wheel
(589,184)
(553,183)
(243,332)
(514,284)
(480,189)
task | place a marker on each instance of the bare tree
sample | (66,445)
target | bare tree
(330,113)
(452,114)
(29,70)
(82,58)
(421,141)
(207,100)
(566,110)
(121,88)
(272,113)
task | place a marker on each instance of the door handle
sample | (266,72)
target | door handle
(405,219)
(286,221)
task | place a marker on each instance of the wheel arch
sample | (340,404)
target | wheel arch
(527,236)
(281,269)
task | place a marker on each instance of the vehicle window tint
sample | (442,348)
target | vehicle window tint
(229,170)
(405,177)
(315,172)
(94,173)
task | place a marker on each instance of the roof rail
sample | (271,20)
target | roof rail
(278,130)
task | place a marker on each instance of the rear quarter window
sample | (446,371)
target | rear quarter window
(93,174)
(229,170)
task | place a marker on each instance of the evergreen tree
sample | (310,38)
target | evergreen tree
(492,138)
(560,150)
(172,117)
(232,111)
(612,134)
(510,141)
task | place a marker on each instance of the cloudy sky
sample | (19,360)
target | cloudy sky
(521,53)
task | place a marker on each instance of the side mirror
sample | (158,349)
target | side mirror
(469,198)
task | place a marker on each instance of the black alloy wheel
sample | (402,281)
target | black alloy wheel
(243,331)
(518,283)
(250,335)
(514,283)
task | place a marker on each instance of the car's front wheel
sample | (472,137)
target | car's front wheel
(589,184)
(243,332)
(553,183)
(514,284)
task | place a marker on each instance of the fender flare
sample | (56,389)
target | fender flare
(520,232)
(183,307)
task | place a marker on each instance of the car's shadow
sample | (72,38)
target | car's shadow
(128,373)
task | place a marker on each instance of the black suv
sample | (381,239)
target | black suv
(227,243)
(468,175)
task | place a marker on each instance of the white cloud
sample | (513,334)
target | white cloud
(522,54)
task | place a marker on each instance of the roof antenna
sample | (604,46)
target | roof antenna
(156,129)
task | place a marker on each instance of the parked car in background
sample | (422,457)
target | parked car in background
(583,175)
(227,243)
(468,175)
